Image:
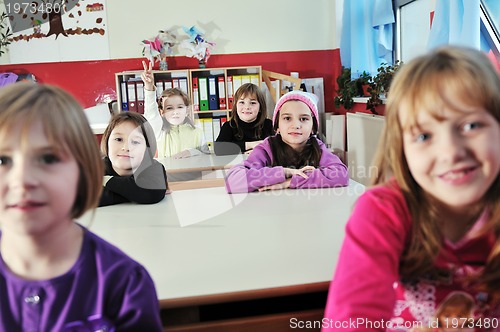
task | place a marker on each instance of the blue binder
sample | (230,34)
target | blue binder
(213,99)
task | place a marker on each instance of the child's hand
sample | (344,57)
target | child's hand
(289,172)
(147,77)
(182,154)
(283,185)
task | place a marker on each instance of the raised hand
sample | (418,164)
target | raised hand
(147,76)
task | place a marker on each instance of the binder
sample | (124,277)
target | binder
(208,130)
(230,92)
(124,97)
(203,86)
(245,79)
(196,96)
(213,100)
(132,96)
(183,84)
(167,84)
(216,127)
(198,123)
(236,83)
(221,92)
(255,79)
(140,97)
(159,88)
(175,83)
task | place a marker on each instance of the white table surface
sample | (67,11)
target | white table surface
(206,242)
(203,162)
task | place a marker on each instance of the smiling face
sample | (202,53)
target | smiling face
(126,148)
(247,108)
(295,124)
(454,157)
(174,110)
(38,183)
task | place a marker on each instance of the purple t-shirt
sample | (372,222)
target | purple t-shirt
(105,290)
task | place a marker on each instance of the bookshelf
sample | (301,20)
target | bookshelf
(130,88)
(210,90)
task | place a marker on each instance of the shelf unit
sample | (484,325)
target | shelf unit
(210,90)
(129,86)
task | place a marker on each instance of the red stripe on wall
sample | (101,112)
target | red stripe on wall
(92,82)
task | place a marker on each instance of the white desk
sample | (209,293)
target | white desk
(206,246)
(203,162)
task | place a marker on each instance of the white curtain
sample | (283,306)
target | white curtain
(367,35)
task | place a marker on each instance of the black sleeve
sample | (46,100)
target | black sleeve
(147,187)
(267,129)
(226,142)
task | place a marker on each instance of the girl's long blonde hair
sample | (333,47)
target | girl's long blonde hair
(451,77)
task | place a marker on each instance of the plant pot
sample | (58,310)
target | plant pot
(365,88)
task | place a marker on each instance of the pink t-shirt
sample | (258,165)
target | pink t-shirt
(367,293)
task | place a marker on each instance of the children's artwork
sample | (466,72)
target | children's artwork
(196,46)
(58,30)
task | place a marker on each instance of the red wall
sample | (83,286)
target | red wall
(93,81)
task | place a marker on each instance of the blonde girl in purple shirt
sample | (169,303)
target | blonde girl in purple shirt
(55,275)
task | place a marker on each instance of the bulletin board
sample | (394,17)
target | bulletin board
(79,33)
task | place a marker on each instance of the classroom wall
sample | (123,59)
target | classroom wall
(280,35)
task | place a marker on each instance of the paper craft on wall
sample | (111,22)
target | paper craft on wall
(58,30)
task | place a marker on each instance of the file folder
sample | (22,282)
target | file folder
(230,92)
(183,84)
(140,97)
(203,86)
(254,79)
(175,83)
(213,100)
(236,83)
(123,95)
(167,84)
(216,127)
(221,92)
(132,96)
(196,95)
(159,88)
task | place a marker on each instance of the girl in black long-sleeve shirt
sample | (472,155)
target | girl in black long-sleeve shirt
(248,125)
(132,175)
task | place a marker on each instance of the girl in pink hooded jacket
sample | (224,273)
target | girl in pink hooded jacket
(294,157)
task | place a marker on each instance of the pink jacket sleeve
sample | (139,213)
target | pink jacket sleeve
(255,172)
(363,286)
(330,173)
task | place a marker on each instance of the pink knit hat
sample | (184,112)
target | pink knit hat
(307,98)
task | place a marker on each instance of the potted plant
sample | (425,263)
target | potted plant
(349,88)
(5,32)
(380,84)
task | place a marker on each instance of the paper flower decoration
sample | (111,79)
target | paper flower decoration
(158,48)
(196,46)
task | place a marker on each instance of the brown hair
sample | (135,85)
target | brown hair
(170,93)
(138,120)
(251,90)
(66,128)
(447,77)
